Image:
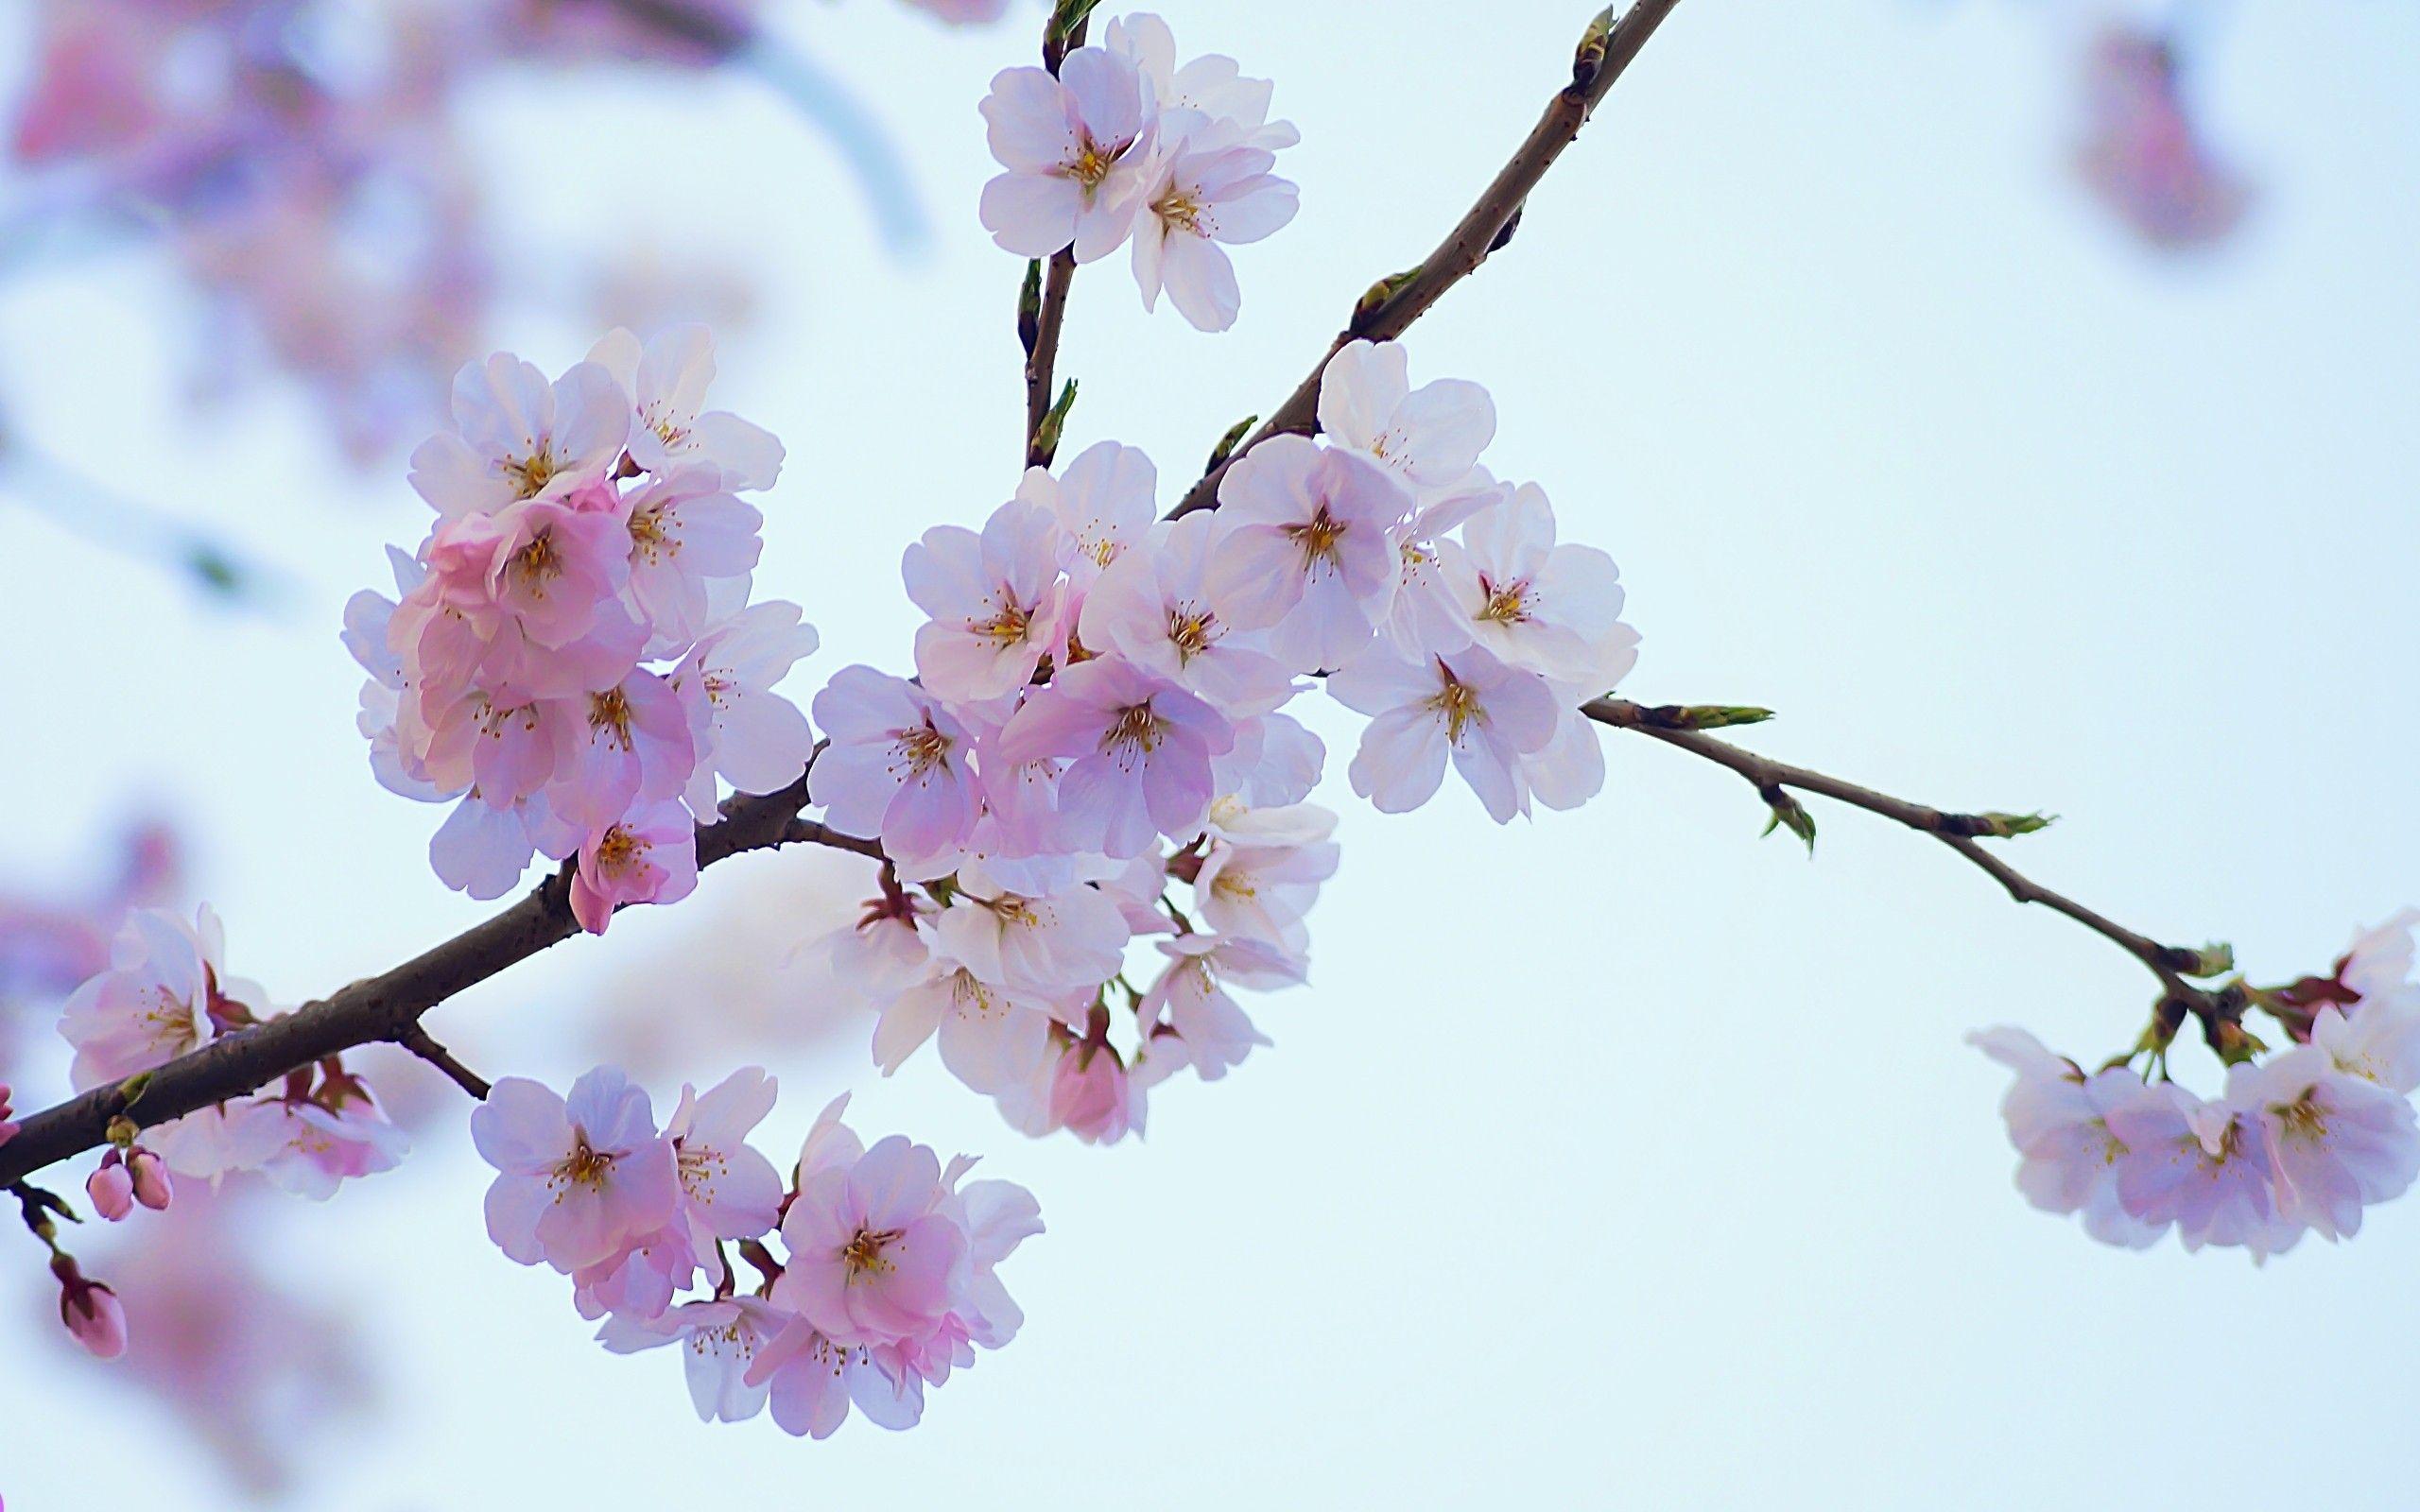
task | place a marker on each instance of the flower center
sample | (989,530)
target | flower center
(531,473)
(1460,705)
(649,537)
(1179,208)
(1008,627)
(864,1249)
(586,1165)
(538,563)
(609,713)
(1137,730)
(1093,164)
(924,747)
(617,852)
(1505,606)
(1191,630)
(1317,537)
(2301,1119)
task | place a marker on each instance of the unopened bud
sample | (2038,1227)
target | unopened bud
(1046,436)
(2235,1045)
(152,1187)
(1378,295)
(1590,57)
(1788,813)
(2214,959)
(91,1314)
(1029,308)
(1227,443)
(1703,715)
(111,1188)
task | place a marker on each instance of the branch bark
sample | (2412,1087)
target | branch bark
(386,1007)
(1391,306)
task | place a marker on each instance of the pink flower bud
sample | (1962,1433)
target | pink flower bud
(92,1312)
(111,1188)
(152,1187)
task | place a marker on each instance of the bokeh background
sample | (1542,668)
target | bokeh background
(1622,1158)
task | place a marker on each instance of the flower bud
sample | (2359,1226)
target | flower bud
(93,1316)
(152,1187)
(111,1189)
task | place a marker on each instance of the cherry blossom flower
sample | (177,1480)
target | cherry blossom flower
(2058,1119)
(165,993)
(111,1188)
(728,1191)
(750,736)
(1048,946)
(1553,609)
(719,1343)
(1103,502)
(2143,153)
(2204,1167)
(516,436)
(1263,891)
(691,542)
(309,1149)
(1487,715)
(1141,747)
(665,381)
(2339,1142)
(996,600)
(1093,1096)
(873,1254)
(1198,200)
(896,767)
(1304,551)
(991,1035)
(1072,146)
(579,1177)
(550,564)
(1208,94)
(1190,995)
(650,857)
(1430,436)
(1151,608)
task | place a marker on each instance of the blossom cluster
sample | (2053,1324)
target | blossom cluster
(1097,719)
(2299,1143)
(888,1282)
(167,993)
(573,660)
(1122,144)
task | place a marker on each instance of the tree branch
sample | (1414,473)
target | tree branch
(1960,832)
(386,1007)
(1393,303)
(1062,33)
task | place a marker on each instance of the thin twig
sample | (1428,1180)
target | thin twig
(1393,303)
(1960,832)
(1042,351)
(417,1041)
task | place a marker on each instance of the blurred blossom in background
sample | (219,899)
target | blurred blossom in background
(244,245)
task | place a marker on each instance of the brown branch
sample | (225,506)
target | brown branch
(418,1041)
(1960,832)
(1393,303)
(378,1009)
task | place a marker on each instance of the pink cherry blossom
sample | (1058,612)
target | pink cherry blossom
(1151,608)
(2340,1142)
(991,1035)
(1141,747)
(2058,1119)
(665,381)
(650,857)
(691,544)
(516,436)
(1429,437)
(1208,96)
(165,993)
(1072,146)
(897,767)
(1199,198)
(579,1177)
(1487,715)
(309,1149)
(1304,549)
(1048,946)
(1104,503)
(873,1254)
(750,736)
(1191,994)
(551,564)
(152,1186)
(1276,762)
(997,602)
(1553,609)
(728,1191)
(720,1339)
(1263,891)
(2206,1167)
(1093,1096)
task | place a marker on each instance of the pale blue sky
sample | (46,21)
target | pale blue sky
(1616,1159)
